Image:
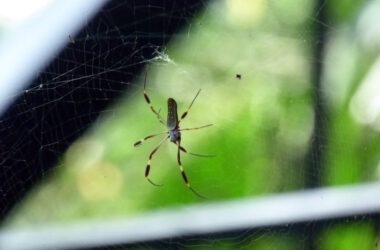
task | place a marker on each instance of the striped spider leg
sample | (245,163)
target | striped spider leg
(150,104)
(173,133)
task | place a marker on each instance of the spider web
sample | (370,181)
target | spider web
(285,84)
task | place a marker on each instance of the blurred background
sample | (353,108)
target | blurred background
(292,88)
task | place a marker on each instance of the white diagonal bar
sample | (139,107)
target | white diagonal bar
(214,217)
(25,50)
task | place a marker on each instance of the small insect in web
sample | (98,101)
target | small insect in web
(173,133)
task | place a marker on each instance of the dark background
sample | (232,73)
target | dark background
(43,121)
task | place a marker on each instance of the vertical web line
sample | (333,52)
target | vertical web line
(315,157)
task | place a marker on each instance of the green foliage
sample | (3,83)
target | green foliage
(348,236)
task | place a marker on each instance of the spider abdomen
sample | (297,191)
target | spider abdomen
(172,121)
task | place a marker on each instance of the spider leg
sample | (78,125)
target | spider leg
(147,169)
(184,174)
(200,155)
(138,143)
(188,109)
(150,105)
(186,129)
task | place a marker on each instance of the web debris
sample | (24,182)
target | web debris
(162,56)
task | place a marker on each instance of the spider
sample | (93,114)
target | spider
(173,133)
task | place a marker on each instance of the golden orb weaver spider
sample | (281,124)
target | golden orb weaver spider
(173,133)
